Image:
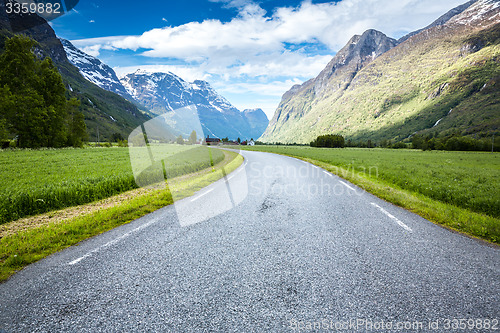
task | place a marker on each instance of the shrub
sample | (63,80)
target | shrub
(329,141)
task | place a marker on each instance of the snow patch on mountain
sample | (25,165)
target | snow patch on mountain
(94,70)
(164,93)
(476,12)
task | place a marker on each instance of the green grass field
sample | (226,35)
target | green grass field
(38,181)
(469,181)
(32,242)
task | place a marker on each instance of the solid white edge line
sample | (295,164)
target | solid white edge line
(201,195)
(329,174)
(401,224)
(347,185)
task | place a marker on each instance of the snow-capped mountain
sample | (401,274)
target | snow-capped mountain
(165,92)
(161,92)
(94,70)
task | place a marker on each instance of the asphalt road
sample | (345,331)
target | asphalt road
(277,246)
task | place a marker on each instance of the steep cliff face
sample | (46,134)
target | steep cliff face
(403,88)
(333,80)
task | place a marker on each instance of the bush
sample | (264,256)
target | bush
(399,145)
(453,143)
(329,141)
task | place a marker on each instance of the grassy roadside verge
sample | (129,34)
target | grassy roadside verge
(27,242)
(459,219)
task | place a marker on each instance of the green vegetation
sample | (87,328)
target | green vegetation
(454,143)
(33,105)
(105,113)
(460,190)
(24,247)
(38,181)
(441,84)
(329,141)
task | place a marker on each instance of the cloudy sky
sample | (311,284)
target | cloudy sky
(250,51)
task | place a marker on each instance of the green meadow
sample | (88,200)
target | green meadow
(24,243)
(39,181)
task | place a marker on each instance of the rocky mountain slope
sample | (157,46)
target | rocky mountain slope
(441,80)
(94,70)
(165,92)
(105,112)
(258,121)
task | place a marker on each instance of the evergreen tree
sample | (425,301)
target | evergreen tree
(5,106)
(33,101)
(53,92)
(3,129)
(192,138)
(77,131)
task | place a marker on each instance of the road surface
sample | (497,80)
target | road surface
(278,246)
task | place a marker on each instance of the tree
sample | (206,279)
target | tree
(417,142)
(3,129)
(33,98)
(239,140)
(117,137)
(193,138)
(6,104)
(180,140)
(52,90)
(77,130)
(329,141)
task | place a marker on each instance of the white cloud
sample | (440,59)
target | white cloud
(252,35)
(255,45)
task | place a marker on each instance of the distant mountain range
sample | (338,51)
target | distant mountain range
(162,93)
(166,92)
(441,80)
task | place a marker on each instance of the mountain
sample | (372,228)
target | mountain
(439,81)
(105,112)
(166,92)
(332,81)
(94,70)
(441,20)
(258,121)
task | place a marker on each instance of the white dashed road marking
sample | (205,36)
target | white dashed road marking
(347,185)
(114,241)
(201,195)
(401,224)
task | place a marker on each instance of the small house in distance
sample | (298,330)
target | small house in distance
(212,141)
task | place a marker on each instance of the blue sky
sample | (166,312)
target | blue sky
(250,51)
